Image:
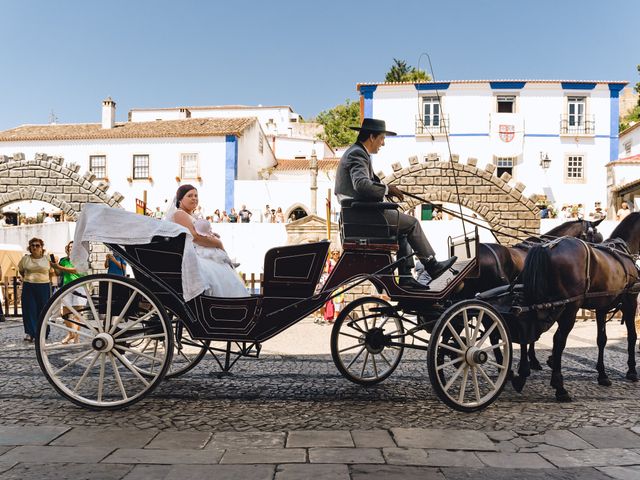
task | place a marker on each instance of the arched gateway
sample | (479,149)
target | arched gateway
(500,204)
(45,178)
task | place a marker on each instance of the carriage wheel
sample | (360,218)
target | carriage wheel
(125,342)
(469,356)
(187,352)
(360,341)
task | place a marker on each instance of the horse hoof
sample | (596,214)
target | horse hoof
(518,383)
(535,365)
(563,397)
(632,376)
(604,381)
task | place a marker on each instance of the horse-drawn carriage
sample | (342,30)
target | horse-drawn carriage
(135,332)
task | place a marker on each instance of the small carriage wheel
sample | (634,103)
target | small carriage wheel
(125,342)
(469,355)
(187,352)
(366,341)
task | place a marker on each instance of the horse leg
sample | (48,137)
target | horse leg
(628,316)
(565,325)
(533,360)
(601,325)
(524,371)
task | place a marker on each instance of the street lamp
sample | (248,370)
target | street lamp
(545,161)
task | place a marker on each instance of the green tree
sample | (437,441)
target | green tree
(400,71)
(336,122)
(633,115)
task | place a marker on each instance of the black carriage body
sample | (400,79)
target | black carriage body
(291,274)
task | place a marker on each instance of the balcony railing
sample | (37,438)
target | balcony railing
(577,125)
(426,126)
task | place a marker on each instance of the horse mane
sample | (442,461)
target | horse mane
(563,227)
(629,230)
(535,275)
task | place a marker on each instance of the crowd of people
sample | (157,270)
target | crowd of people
(243,215)
(577,211)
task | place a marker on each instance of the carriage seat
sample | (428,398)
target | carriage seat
(364,226)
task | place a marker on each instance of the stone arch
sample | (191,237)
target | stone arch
(295,206)
(502,205)
(47,179)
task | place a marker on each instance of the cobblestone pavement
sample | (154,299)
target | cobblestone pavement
(296,392)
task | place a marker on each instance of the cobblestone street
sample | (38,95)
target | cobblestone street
(293,392)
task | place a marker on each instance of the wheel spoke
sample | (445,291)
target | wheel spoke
(364,363)
(124,310)
(476,387)
(454,377)
(493,347)
(478,323)
(494,364)
(346,349)
(86,372)
(449,363)
(349,335)
(467,334)
(456,336)
(132,339)
(143,318)
(446,346)
(138,354)
(73,362)
(116,373)
(130,367)
(486,377)
(385,359)
(94,312)
(364,318)
(463,386)
(107,318)
(101,378)
(375,368)
(356,357)
(486,334)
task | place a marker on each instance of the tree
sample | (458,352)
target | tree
(400,71)
(336,122)
(633,115)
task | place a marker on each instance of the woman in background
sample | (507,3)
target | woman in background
(36,272)
(76,300)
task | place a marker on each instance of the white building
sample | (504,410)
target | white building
(516,125)
(623,173)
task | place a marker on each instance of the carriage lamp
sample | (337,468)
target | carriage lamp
(545,161)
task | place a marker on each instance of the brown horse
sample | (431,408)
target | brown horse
(501,265)
(569,274)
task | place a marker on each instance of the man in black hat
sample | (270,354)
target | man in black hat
(355,180)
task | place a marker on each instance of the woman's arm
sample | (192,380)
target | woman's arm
(182,218)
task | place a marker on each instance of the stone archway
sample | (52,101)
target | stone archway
(503,206)
(47,179)
(296,206)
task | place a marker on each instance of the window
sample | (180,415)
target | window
(140,166)
(189,165)
(504,164)
(98,165)
(575,169)
(627,148)
(576,110)
(506,104)
(430,112)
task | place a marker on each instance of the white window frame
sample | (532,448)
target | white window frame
(133,163)
(503,162)
(435,119)
(91,158)
(513,98)
(573,157)
(579,117)
(184,172)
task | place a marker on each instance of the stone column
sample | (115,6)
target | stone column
(313,168)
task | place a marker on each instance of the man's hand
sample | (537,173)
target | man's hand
(395,192)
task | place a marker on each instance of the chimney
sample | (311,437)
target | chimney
(184,113)
(108,113)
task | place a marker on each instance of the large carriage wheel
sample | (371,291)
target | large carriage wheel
(360,341)
(125,342)
(469,355)
(187,352)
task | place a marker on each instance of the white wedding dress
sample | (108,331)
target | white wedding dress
(216,270)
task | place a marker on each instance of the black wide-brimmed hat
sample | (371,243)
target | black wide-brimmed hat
(374,125)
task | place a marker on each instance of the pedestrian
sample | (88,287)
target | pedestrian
(36,272)
(266,215)
(115,265)
(216,216)
(233,216)
(158,214)
(49,219)
(279,216)
(244,214)
(623,211)
(76,301)
(225,217)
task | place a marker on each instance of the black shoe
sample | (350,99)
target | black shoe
(412,284)
(435,268)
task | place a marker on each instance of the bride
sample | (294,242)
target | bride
(215,265)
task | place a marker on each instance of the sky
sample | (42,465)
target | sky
(67,56)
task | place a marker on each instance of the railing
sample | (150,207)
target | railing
(423,128)
(577,125)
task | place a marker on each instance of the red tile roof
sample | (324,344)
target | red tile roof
(297,164)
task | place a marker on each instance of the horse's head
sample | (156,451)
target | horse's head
(629,231)
(583,229)
(590,231)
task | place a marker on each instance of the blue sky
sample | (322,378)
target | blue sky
(67,56)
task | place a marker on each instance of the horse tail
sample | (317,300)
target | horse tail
(535,276)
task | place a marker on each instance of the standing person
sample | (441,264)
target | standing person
(330,309)
(115,265)
(225,217)
(245,215)
(49,219)
(158,214)
(36,272)
(355,180)
(233,216)
(623,211)
(279,215)
(77,299)
(266,215)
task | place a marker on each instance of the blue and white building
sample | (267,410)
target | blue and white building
(554,136)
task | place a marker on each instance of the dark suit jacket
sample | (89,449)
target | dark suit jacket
(355,178)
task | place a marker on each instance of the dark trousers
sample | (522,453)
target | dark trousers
(410,226)
(34,297)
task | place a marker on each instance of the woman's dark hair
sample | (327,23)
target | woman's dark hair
(182,191)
